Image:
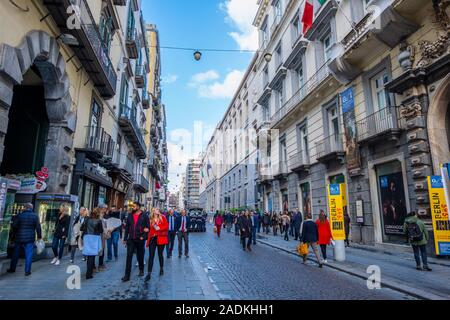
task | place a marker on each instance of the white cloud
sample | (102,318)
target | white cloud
(170,78)
(200,78)
(241,13)
(222,90)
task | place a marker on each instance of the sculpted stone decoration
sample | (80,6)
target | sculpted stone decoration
(410,111)
(431,51)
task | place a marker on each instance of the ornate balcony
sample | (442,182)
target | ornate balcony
(98,146)
(330,149)
(370,36)
(128,124)
(141,184)
(139,76)
(283,170)
(380,126)
(299,162)
(88,46)
(145,99)
(132,43)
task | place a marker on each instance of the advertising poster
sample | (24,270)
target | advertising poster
(393,203)
(306,199)
(439,215)
(445,172)
(336,207)
(351,142)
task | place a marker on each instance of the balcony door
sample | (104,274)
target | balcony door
(94,126)
(382,118)
(333,125)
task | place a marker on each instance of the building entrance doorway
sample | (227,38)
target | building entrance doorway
(26,137)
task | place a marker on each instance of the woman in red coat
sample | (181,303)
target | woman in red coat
(157,238)
(325,236)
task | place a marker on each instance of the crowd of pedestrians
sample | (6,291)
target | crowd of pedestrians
(96,234)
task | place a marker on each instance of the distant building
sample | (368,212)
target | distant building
(192,186)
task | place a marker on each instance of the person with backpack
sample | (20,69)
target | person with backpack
(418,238)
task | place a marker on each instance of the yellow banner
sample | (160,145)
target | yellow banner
(439,215)
(336,200)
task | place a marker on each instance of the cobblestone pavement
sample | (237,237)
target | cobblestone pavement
(395,267)
(216,269)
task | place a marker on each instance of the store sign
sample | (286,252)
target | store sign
(336,199)
(439,215)
(32,184)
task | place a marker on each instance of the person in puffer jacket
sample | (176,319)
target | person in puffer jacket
(25,225)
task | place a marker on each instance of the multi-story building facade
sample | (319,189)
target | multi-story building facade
(72,77)
(192,184)
(359,99)
(157,161)
(231,158)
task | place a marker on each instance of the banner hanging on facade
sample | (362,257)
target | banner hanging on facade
(352,155)
(439,214)
(336,198)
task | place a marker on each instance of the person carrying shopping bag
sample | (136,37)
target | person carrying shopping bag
(92,229)
(310,236)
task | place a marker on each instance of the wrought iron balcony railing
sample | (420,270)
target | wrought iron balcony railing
(89,47)
(330,147)
(378,124)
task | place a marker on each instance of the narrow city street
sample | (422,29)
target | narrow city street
(218,269)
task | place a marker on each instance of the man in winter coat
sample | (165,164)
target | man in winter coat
(255,225)
(418,238)
(25,225)
(296,223)
(136,233)
(246,226)
(310,236)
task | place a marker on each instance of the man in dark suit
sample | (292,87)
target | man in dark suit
(181,226)
(25,225)
(171,219)
(296,223)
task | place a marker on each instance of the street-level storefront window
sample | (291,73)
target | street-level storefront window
(48,214)
(88,199)
(101,195)
(5,223)
(391,195)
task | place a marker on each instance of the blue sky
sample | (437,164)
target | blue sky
(199,92)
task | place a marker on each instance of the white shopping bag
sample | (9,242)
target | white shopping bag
(40,246)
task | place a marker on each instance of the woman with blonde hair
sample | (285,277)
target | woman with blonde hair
(61,233)
(157,238)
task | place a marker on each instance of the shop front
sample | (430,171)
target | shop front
(8,190)
(392,201)
(91,182)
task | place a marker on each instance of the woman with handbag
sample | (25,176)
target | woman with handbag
(158,237)
(76,232)
(92,229)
